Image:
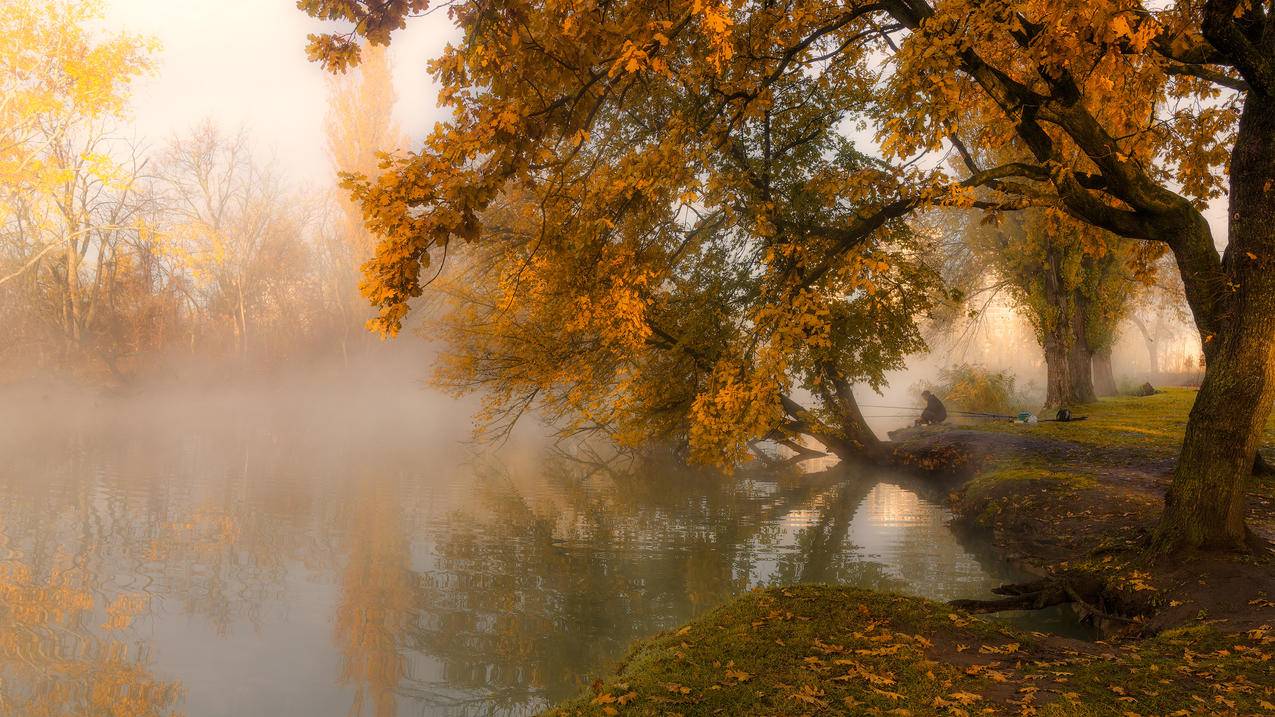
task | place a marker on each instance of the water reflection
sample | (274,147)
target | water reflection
(380,598)
(321,562)
(61,649)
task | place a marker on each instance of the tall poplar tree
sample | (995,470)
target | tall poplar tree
(359,127)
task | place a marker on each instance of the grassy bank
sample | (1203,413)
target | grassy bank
(1081,499)
(1056,492)
(1148,423)
(1071,500)
(834,650)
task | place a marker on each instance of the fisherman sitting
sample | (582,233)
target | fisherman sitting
(934,413)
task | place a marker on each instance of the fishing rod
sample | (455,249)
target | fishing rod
(916,409)
(979,414)
(1061,418)
(911,408)
(961,414)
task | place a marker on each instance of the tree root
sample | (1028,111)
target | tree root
(800,454)
(1043,593)
(1262,467)
(1022,596)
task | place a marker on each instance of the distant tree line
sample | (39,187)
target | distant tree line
(115,257)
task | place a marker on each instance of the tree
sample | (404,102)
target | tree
(69,187)
(231,226)
(1155,103)
(1129,115)
(359,129)
(1074,284)
(1159,312)
(692,332)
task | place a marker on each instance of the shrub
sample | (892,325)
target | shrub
(971,387)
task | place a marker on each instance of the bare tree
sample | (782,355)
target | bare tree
(231,224)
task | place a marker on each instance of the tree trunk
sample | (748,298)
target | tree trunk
(1153,347)
(1205,505)
(851,438)
(1068,361)
(838,397)
(1104,378)
(243,326)
(71,303)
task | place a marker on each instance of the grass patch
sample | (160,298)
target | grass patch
(1020,489)
(807,650)
(1154,422)
(1187,671)
(1007,471)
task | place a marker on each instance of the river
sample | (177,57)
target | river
(347,552)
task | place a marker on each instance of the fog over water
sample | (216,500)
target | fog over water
(219,496)
(329,542)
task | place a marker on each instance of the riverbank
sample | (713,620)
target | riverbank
(1073,503)
(1076,502)
(811,649)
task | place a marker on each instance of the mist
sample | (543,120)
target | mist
(314,403)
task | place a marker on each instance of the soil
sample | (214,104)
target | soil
(1082,512)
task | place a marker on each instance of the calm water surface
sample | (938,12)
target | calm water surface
(250,555)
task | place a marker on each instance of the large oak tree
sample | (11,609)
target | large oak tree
(1132,116)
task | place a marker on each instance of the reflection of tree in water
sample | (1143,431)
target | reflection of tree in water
(514,601)
(527,595)
(928,556)
(188,521)
(94,546)
(60,653)
(823,552)
(379,598)
(91,557)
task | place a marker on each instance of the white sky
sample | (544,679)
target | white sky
(243,63)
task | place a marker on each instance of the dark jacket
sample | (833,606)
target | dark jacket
(935,411)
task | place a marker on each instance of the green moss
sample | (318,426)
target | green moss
(838,650)
(1004,471)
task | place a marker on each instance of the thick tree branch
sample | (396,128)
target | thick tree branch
(1216,77)
(1224,33)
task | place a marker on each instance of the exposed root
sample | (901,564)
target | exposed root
(1046,592)
(1027,596)
(800,453)
(1262,467)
